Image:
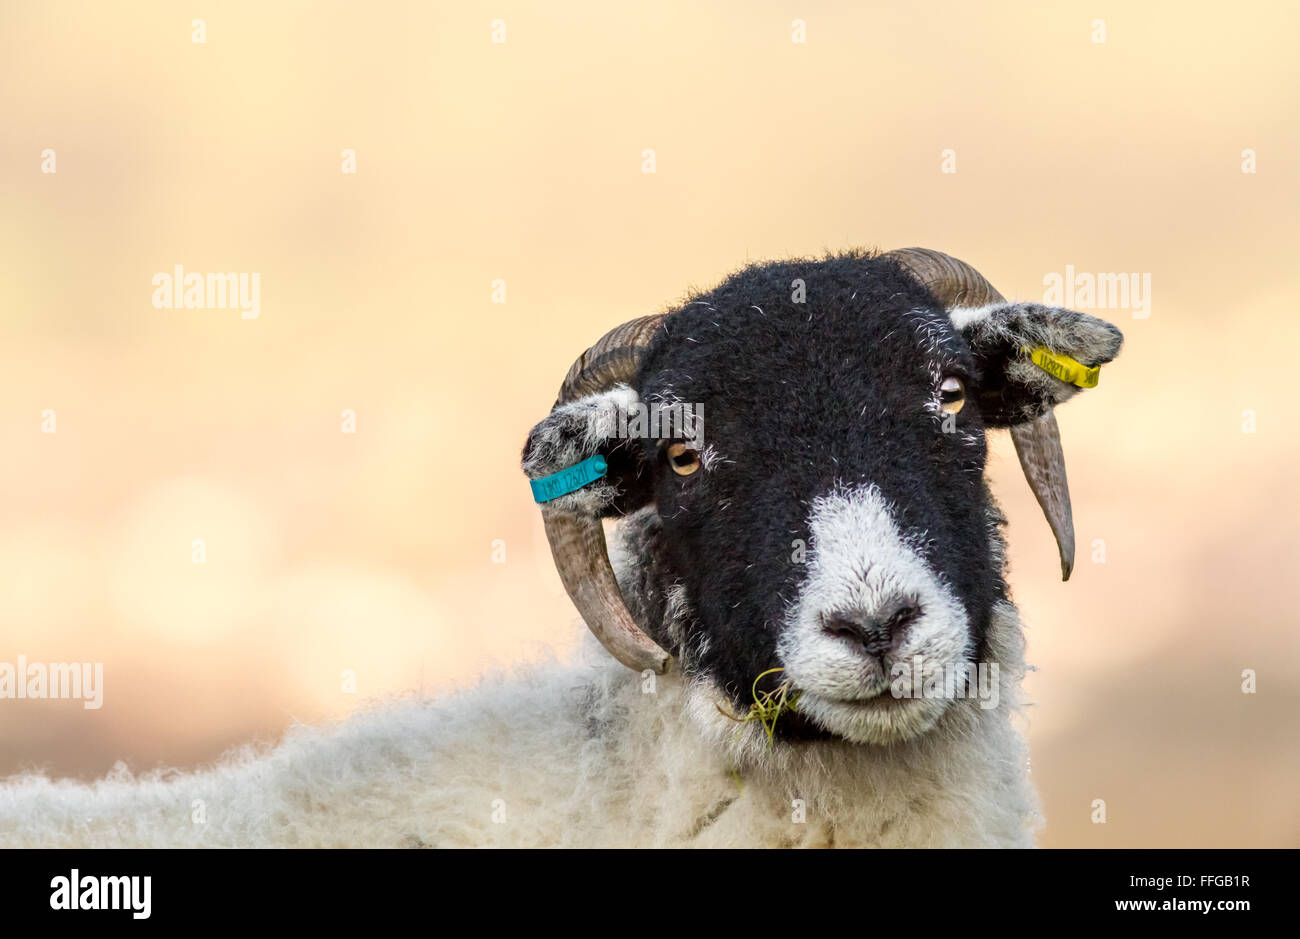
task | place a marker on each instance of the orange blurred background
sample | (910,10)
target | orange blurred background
(522,162)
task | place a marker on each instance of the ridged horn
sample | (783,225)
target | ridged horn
(955,283)
(578,539)
(614,358)
(1038,444)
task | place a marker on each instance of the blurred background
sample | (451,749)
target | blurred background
(409,552)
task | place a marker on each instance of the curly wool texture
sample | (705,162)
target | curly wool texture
(566,755)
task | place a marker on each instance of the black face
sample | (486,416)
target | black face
(844,388)
(831,521)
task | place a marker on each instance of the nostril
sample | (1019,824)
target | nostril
(903,617)
(874,633)
(866,633)
(842,628)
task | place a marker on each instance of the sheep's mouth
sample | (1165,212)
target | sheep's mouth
(868,690)
(878,719)
(875,700)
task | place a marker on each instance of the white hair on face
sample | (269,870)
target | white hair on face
(860,561)
(677,613)
(965,315)
(710,457)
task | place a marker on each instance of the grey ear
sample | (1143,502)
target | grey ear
(1013,389)
(568,435)
(1017,392)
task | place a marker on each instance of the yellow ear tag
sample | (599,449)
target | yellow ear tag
(1065,368)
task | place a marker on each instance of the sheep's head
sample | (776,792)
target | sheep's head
(810,440)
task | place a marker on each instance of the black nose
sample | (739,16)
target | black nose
(874,632)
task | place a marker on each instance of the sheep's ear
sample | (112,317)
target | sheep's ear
(579,430)
(1033,357)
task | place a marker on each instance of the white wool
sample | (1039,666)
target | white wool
(565,755)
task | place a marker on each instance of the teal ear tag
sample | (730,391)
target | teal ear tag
(568,480)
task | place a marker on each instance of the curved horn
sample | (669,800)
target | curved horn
(614,358)
(955,283)
(578,539)
(1038,444)
(578,547)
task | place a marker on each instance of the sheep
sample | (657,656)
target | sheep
(572,754)
(799,572)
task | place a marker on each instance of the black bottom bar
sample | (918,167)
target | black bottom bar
(942,889)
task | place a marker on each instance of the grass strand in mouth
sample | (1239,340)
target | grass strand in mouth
(768,705)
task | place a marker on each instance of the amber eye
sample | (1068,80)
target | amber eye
(683,459)
(952,395)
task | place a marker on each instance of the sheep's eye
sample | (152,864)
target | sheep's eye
(683,459)
(952,395)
